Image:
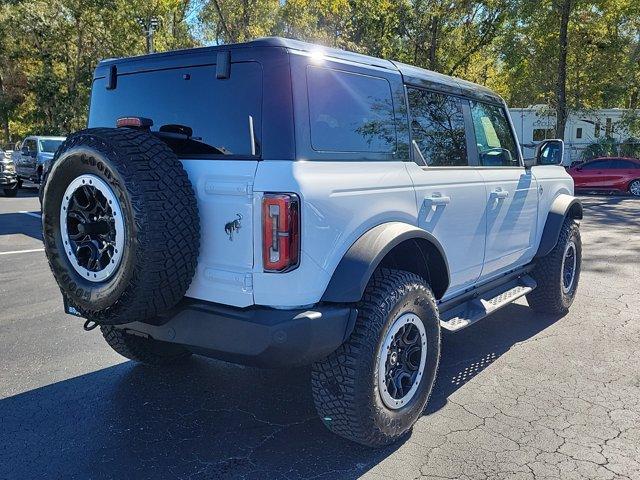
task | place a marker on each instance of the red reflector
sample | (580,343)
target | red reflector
(280,232)
(134,122)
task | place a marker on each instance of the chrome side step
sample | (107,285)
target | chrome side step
(485,304)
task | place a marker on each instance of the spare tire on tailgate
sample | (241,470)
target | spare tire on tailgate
(121,226)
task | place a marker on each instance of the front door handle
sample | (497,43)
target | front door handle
(500,194)
(438,199)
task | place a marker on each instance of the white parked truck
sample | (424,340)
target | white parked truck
(276,203)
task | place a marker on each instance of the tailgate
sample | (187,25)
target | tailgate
(224,190)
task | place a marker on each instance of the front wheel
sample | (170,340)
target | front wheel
(376,385)
(557,273)
(634,188)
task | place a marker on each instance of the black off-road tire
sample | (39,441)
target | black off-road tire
(11,192)
(345,386)
(161,224)
(144,350)
(548,296)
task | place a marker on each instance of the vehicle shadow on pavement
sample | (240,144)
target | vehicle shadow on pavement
(467,353)
(19,223)
(24,192)
(209,419)
(615,245)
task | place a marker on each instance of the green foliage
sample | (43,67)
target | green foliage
(49,48)
(605,147)
(630,148)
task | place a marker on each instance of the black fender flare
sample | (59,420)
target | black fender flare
(352,274)
(563,206)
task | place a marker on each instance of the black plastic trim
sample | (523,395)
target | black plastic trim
(223,65)
(256,336)
(113,77)
(562,206)
(352,274)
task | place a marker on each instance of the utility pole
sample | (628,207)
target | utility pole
(149,26)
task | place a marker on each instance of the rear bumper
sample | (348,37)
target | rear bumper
(257,336)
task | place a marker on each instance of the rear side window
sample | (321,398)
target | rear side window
(437,128)
(496,145)
(349,112)
(598,165)
(217,111)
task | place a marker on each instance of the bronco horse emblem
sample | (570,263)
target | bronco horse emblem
(233,226)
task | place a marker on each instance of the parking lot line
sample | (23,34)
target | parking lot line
(31,214)
(23,251)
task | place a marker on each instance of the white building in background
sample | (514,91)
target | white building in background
(537,123)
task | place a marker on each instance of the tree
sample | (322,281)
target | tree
(564,9)
(233,21)
(571,55)
(49,57)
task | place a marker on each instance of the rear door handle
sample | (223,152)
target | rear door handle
(438,199)
(500,193)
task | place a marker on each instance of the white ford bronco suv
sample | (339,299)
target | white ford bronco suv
(276,203)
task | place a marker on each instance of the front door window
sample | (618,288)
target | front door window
(496,145)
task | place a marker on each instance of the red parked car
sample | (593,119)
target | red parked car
(608,174)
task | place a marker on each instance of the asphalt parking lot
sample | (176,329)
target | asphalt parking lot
(518,396)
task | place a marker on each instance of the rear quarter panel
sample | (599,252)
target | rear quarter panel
(340,201)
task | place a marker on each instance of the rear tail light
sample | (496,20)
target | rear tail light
(134,122)
(280,232)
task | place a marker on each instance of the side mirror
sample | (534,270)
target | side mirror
(549,152)
(24,151)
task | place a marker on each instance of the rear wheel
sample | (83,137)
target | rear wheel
(634,188)
(557,273)
(376,385)
(143,350)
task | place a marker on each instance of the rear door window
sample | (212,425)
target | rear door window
(350,112)
(494,138)
(437,128)
(216,110)
(622,164)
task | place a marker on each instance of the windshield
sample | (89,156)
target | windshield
(49,146)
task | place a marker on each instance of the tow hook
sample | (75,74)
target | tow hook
(90,325)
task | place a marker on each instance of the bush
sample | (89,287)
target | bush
(630,148)
(605,147)
(609,147)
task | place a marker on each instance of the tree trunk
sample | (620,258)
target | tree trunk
(4,117)
(433,44)
(561,85)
